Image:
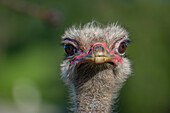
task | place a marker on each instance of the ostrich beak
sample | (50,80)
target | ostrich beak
(99,53)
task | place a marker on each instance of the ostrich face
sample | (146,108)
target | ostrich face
(94,46)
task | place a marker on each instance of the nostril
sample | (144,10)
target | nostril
(99,51)
(99,48)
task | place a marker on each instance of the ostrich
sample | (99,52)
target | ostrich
(95,66)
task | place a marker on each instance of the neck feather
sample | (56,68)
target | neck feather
(94,90)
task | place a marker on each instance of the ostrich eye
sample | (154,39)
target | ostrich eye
(122,47)
(70,49)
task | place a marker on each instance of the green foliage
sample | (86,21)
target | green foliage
(30,49)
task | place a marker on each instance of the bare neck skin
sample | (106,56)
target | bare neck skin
(94,90)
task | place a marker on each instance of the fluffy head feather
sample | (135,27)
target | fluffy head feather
(93,32)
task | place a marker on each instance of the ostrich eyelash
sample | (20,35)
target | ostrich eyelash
(69,41)
(127,41)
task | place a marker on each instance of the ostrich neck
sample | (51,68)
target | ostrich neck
(94,91)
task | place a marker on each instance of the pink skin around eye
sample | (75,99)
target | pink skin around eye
(115,59)
(118,43)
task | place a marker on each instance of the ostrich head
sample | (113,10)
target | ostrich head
(95,65)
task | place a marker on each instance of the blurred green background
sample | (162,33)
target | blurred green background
(30,52)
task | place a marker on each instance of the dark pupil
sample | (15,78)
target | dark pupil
(122,47)
(70,49)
